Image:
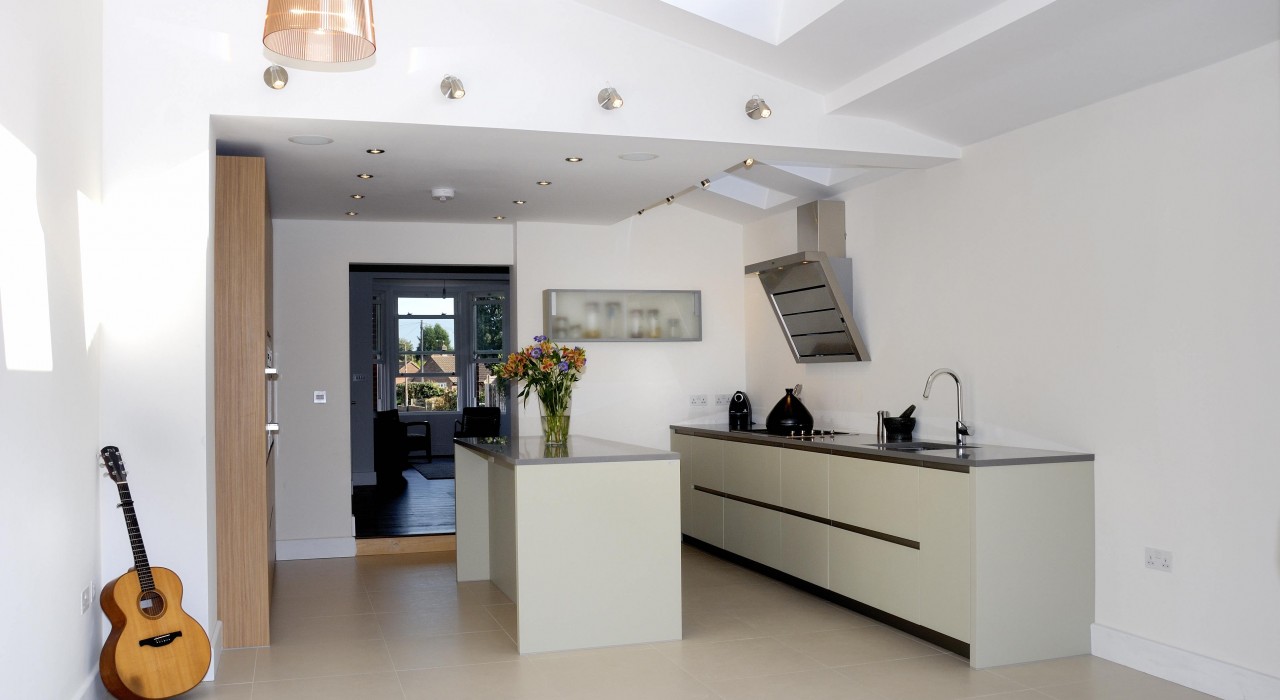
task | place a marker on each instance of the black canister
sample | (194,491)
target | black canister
(789,416)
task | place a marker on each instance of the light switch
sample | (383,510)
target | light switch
(320,397)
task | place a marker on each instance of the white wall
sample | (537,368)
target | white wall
(632,392)
(1104,281)
(312,259)
(50,145)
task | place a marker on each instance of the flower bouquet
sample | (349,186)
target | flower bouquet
(549,370)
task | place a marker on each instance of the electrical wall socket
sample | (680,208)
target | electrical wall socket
(723,399)
(697,400)
(1160,560)
(86,598)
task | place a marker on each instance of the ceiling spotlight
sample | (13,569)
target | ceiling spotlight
(609,98)
(365,176)
(671,199)
(499,217)
(357,196)
(353,213)
(443,194)
(276,77)
(748,163)
(758,108)
(705,184)
(374,151)
(543,183)
(574,159)
(452,88)
(518,201)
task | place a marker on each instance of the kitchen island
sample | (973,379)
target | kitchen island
(986,551)
(584,538)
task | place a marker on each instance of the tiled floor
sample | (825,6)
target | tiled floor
(401,628)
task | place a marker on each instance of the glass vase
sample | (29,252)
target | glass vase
(555,420)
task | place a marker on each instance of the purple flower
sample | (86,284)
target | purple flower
(563,366)
(535,353)
(539,339)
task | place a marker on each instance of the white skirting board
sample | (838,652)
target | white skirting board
(215,649)
(1217,678)
(323,548)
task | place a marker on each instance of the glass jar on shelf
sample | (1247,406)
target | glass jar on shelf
(635,323)
(613,319)
(673,328)
(592,323)
(654,325)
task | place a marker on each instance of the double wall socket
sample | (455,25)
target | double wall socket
(698,400)
(723,399)
(1160,560)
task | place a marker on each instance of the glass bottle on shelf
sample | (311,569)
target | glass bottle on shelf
(559,327)
(655,325)
(673,328)
(592,323)
(635,319)
(613,320)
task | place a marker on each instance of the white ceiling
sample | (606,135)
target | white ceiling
(957,70)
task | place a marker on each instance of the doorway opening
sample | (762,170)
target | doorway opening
(422,341)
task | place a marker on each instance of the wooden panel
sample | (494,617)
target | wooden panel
(244,470)
(375,546)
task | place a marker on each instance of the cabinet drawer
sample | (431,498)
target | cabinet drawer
(804,549)
(751,471)
(708,463)
(879,496)
(706,518)
(753,532)
(804,482)
(881,574)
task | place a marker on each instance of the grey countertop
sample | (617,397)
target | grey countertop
(864,446)
(580,449)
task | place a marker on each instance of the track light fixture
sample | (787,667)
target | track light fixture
(276,77)
(609,98)
(452,88)
(758,108)
(705,183)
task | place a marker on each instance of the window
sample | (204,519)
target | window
(426,376)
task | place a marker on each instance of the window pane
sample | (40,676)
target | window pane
(429,395)
(426,334)
(488,327)
(489,391)
(428,363)
(424,306)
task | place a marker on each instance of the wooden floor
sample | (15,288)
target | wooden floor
(422,507)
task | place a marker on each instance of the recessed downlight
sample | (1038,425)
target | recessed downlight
(365,176)
(374,151)
(499,217)
(574,159)
(311,140)
(353,213)
(543,183)
(357,196)
(519,201)
(638,156)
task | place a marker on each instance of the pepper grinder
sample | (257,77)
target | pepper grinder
(881,435)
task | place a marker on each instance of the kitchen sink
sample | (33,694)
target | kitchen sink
(921,446)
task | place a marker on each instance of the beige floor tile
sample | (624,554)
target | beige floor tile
(634,672)
(453,650)
(751,594)
(211,691)
(474,593)
(736,659)
(1127,685)
(314,576)
(716,627)
(443,619)
(937,677)
(856,645)
(507,680)
(378,686)
(319,604)
(311,629)
(236,666)
(1073,669)
(794,616)
(698,576)
(505,615)
(822,684)
(322,658)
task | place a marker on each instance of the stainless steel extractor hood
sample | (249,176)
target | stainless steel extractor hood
(811,290)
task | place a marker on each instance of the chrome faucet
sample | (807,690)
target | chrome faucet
(962,430)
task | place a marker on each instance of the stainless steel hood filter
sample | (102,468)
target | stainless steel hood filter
(811,291)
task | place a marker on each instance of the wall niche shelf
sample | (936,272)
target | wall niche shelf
(622,315)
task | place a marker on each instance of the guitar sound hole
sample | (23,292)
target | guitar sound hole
(151,604)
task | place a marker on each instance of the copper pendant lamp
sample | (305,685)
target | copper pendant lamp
(328,31)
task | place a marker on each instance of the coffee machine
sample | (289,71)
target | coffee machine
(739,412)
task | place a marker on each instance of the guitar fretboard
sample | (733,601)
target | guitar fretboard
(135,538)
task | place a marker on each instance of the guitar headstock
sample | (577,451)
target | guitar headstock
(114,463)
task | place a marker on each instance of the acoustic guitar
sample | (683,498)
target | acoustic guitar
(155,649)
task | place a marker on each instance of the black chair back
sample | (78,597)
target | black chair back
(479,421)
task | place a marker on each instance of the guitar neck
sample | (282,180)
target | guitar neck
(135,538)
